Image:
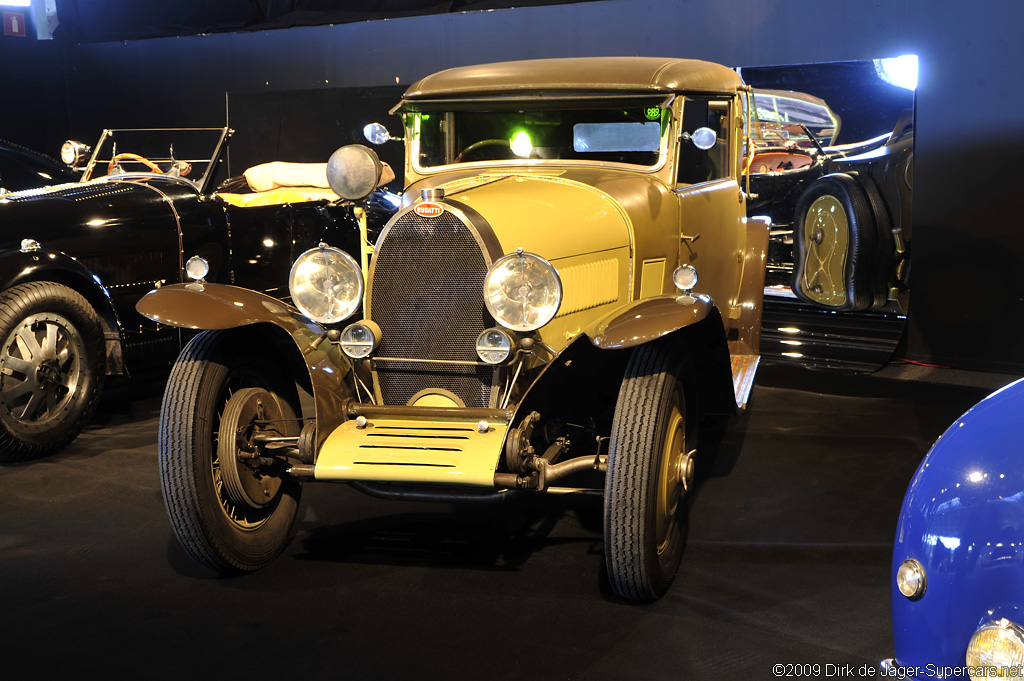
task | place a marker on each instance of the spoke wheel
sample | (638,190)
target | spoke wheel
(50,368)
(227,515)
(650,469)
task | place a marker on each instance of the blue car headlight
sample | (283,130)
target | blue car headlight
(997,644)
(911,579)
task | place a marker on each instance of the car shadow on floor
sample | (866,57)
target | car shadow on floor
(491,538)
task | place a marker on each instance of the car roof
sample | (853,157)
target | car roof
(628,75)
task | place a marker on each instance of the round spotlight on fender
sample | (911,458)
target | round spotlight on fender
(196,268)
(360,339)
(997,644)
(911,579)
(74,153)
(522,291)
(326,284)
(493,346)
(685,277)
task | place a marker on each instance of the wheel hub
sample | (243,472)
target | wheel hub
(826,245)
(48,374)
(685,469)
(247,412)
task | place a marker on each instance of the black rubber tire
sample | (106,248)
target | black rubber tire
(883,274)
(848,283)
(655,380)
(208,370)
(45,401)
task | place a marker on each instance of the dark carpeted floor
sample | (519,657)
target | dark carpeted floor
(787,561)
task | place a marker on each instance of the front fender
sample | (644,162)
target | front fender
(697,316)
(40,264)
(645,320)
(219,306)
(963,520)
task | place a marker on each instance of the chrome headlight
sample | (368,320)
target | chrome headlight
(493,346)
(360,339)
(996,644)
(326,284)
(522,291)
(911,579)
(74,153)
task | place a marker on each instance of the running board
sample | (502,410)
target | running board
(744,367)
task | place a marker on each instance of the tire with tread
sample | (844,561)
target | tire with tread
(654,426)
(52,361)
(221,536)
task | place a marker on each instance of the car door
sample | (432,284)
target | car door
(711,233)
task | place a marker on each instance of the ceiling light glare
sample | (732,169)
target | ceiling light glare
(898,71)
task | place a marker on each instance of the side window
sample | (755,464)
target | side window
(696,165)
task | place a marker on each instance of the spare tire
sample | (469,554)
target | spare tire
(835,245)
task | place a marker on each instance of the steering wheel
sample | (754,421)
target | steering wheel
(482,143)
(126,156)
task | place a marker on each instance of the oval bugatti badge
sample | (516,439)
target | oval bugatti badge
(428,210)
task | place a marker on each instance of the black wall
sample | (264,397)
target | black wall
(967,306)
(305,126)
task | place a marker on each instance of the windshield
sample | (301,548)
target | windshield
(190,153)
(631,131)
(784,119)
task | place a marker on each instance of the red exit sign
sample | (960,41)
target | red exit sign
(14,24)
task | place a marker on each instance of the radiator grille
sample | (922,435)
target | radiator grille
(427,298)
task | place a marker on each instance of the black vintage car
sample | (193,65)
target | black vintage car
(837,279)
(841,217)
(22,168)
(76,257)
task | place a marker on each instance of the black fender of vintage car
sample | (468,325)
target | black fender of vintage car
(223,307)
(642,321)
(41,264)
(647,320)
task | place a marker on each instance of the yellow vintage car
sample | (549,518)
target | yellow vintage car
(569,286)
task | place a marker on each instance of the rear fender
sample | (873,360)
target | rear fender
(218,306)
(40,264)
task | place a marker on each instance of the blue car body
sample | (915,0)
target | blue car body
(962,520)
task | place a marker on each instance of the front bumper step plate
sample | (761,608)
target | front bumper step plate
(432,451)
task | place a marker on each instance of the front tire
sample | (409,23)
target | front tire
(216,524)
(51,368)
(650,468)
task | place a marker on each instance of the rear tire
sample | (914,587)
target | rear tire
(650,468)
(216,528)
(51,368)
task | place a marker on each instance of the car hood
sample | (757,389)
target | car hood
(555,215)
(47,214)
